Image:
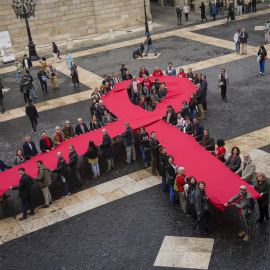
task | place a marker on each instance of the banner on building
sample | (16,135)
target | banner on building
(6,47)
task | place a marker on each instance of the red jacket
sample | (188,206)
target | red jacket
(147,84)
(181,75)
(180,182)
(158,73)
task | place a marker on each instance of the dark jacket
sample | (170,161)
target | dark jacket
(31,111)
(94,126)
(263,188)
(93,109)
(243,204)
(127,77)
(78,129)
(100,111)
(61,169)
(162,165)
(28,152)
(189,128)
(106,146)
(123,72)
(243,37)
(200,97)
(128,137)
(179,12)
(154,146)
(68,132)
(146,73)
(204,88)
(185,111)
(40,74)
(173,117)
(171,171)
(198,132)
(25,186)
(262,53)
(28,61)
(24,85)
(73,160)
(91,154)
(208,143)
(1,90)
(234,164)
(43,145)
(200,201)
(192,105)
(144,139)
(3,166)
(43,178)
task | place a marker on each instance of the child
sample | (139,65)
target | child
(180,122)
(237,43)
(220,152)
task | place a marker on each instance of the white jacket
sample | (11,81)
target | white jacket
(186,9)
(236,37)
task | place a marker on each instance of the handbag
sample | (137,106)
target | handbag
(265,58)
(176,188)
(220,84)
(169,180)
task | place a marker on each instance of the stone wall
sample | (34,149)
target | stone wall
(58,20)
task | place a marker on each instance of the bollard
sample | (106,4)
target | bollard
(111,34)
(70,43)
(150,26)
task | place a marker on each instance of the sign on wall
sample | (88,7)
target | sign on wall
(6,47)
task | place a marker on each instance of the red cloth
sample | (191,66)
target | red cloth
(48,142)
(181,75)
(180,182)
(158,73)
(203,166)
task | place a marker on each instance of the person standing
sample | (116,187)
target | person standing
(246,2)
(45,143)
(163,167)
(92,155)
(204,90)
(19,68)
(43,64)
(81,127)
(243,40)
(24,88)
(239,7)
(43,80)
(3,167)
(208,142)
(223,84)
(221,4)
(181,181)
(171,173)
(69,60)
(200,100)
(253,2)
(62,173)
(154,150)
(263,56)
(56,53)
(25,192)
(44,181)
(58,137)
(266,31)
(107,149)
(186,11)
(74,74)
(129,143)
(179,15)
(242,201)
(231,13)
(197,130)
(68,130)
(29,148)
(135,89)
(73,165)
(202,7)
(263,187)
(170,70)
(2,91)
(31,86)
(31,112)
(27,63)
(149,43)
(144,145)
(237,42)
(51,74)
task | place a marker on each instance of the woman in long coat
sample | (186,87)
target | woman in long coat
(69,60)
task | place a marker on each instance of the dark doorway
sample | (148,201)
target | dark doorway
(169,3)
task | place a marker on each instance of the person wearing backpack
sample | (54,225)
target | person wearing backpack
(263,187)
(245,204)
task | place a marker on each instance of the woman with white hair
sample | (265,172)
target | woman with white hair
(181,181)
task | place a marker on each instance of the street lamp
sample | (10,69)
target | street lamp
(24,10)
(146,23)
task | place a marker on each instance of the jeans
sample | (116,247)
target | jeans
(32,89)
(186,16)
(192,115)
(237,46)
(223,92)
(164,185)
(34,123)
(136,95)
(150,47)
(245,220)
(19,74)
(221,11)
(2,104)
(95,169)
(77,176)
(47,195)
(130,152)
(24,205)
(262,62)
(65,184)
(172,193)
(144,154)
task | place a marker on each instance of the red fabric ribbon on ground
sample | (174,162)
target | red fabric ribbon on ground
(221,183)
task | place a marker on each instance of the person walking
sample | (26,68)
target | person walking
(3,167)
(186,11)
(24,88)
(73,165)
(243,201)
(129,143)
(154,150)
(149,43)
(44,181)
(243,40)
(263,187)
(237,42)
(107,149)
(267,31)
(2,91)
(31,86)
(31,112)
(92,155)
(19,68)
(262,54)
(223,84)
(51,74)
(144,145)
(43,80)
(25,192)
(69,60)
(202,7)
(56,53)
(62,173)
(74,74)
(179,15)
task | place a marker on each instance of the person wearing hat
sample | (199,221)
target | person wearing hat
(150,45)
(242,201)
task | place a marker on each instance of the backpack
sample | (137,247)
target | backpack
(251,204)
(191,197)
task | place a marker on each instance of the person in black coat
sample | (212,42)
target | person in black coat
(200,97)
(234,161)
(29,148)
(94,124)
(143,72)
(144,145)
(2,97)
(185,110)
(25,192)
(43,80)
(197,130)
(92,155)
(73,165)
(45,143)
(3,167)
(27,63)
(171,116)
(101,108)
(107,149)
(62,173)
(31,112)
(190,207)
(93,107)
(127,76)
(81,127)
(163,167)
(188,128)
(154,150)
(129,143)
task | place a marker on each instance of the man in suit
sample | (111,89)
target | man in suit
(81,127)
(27,63)
(32,114)
(29,148)
(129,143)
(3,167)
(25,192)
(188,128)
(197,130)
(73,165)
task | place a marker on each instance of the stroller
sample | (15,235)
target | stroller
(138,52)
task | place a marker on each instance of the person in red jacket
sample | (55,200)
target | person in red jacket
(146,88)
(181,73)
(157,72)
(181,181)
(220,150)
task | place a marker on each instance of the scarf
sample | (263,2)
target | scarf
(202,191)
(48,142)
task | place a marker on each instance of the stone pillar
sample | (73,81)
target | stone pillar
(111,34)
(70,44)
(150,26)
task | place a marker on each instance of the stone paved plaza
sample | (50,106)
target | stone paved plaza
(123,220)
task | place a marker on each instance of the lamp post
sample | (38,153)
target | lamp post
(146,23)
(24,10)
